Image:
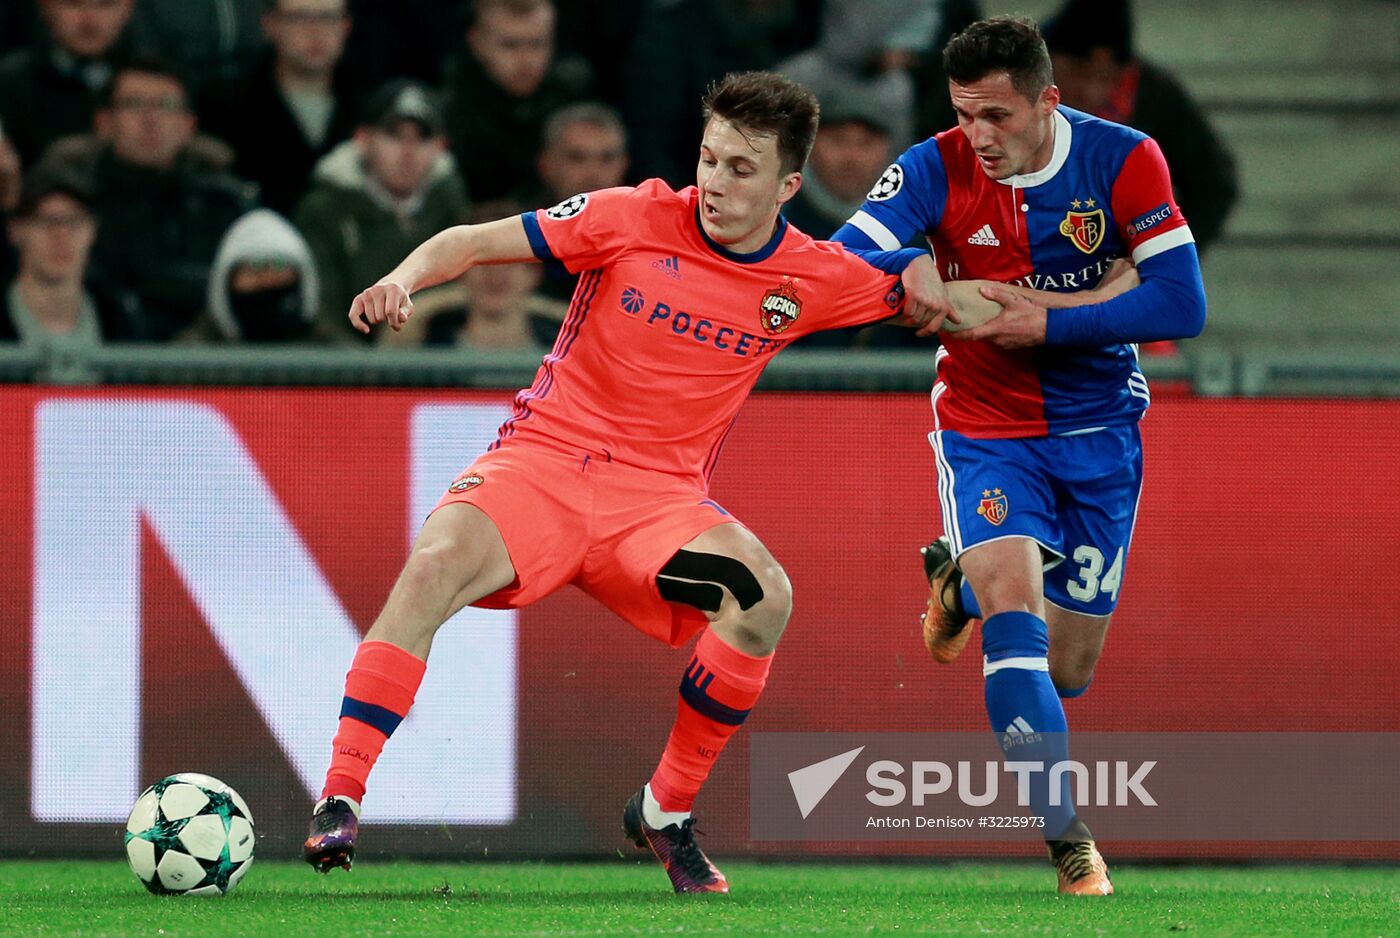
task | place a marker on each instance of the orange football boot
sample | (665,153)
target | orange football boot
(946,625)
(1081,868)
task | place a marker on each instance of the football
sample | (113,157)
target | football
(189,835)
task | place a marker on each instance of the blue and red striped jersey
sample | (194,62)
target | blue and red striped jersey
(1105,193)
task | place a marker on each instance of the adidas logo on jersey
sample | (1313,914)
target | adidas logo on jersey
(670,266)
(984,236)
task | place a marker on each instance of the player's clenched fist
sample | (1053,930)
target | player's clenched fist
(387,301)
(926,302)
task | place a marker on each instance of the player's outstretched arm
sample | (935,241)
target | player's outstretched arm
(976,300)
(443,257)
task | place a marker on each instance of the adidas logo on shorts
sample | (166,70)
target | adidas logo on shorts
(984,236)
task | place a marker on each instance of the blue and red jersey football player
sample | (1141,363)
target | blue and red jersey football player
(1035,410)
(599,477)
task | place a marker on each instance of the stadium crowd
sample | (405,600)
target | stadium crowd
(236,170)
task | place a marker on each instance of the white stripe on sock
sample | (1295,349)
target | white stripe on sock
(1025,664)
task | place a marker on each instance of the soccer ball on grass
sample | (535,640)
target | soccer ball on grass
(189,835)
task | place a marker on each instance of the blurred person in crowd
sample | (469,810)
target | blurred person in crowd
(290,109)
(51,305)
(852,148)
(164,193)
(376,196)
(585,149)
(1098,70)
(682,47)
(491,306)
(210,40)
(871,45)
(263,287)
(499,90)
(53,88)
(500,310)
(403,39)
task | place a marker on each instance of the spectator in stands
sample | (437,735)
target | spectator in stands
(164,194)
(852,149)
(500,89)
(683,46)
(264,286)
(376,197)
(53,89)
(501,307)
(870,45)
(585,148)
(1098,71)
(209,40)
(288,111)
(50,305)
(489,307)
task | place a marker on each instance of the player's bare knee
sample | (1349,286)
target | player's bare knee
(440,565)
(757,629)
(1072,671)
(998,591)
(770,616)
(1008,596)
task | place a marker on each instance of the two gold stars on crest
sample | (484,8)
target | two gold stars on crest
(988,493)
(1087,203)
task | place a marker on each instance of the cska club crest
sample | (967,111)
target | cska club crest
(993,506)
(780,307)
(1085,230)
(469,481)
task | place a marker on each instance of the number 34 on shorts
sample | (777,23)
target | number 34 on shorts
(1091,579)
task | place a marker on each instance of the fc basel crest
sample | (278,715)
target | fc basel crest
(469,481)
(780,307)
(993,506)
(1084,229)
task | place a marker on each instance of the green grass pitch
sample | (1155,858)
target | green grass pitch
(628,898)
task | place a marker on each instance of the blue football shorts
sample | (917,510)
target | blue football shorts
(1074,495)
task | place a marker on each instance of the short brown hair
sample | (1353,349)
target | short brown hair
(768,104)
(1010,44)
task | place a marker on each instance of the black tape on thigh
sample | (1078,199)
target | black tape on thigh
(706,569)
(703,596)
